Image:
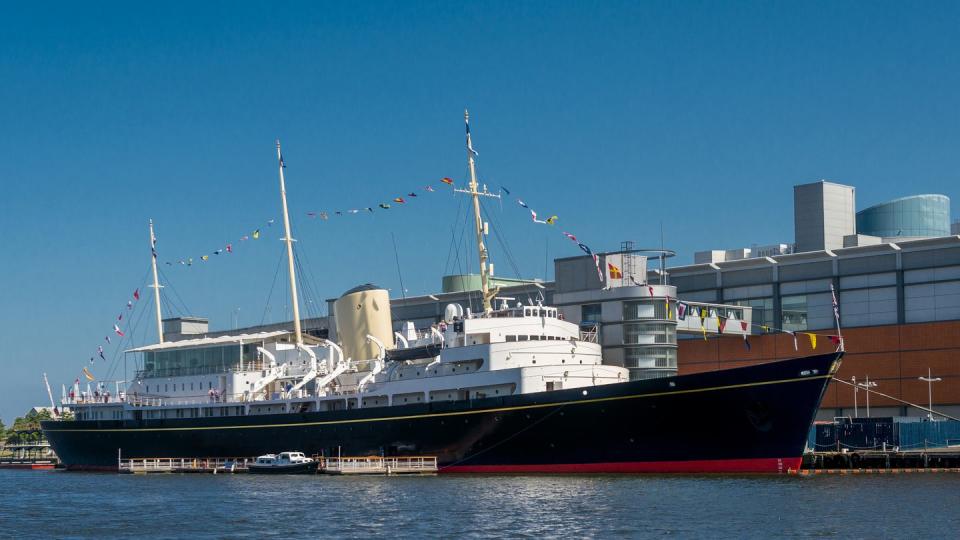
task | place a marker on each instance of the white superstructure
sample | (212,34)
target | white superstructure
(507,350)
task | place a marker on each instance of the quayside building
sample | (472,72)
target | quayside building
(895,268)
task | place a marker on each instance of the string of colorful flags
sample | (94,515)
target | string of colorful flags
(384,205)
(324,215)
(685,310)
(224,249)
(119,329)
(552,220)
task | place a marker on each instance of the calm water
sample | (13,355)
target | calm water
(53,504)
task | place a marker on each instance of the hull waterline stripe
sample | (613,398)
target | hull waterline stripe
(748,465)
(452,413)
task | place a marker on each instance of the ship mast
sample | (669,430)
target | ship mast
(156,282)
(481,228)
(289,242)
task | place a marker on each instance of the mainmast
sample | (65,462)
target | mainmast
(289,242)
(156,282)
(481,228)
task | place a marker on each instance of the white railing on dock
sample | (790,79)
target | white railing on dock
(380,465)
(183,464)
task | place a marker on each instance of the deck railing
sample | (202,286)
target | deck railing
(182,464)
(379,464)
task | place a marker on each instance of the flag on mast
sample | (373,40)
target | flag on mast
(469,142)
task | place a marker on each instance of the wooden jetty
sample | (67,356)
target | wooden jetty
(372,465)
(183,465)
(379,465)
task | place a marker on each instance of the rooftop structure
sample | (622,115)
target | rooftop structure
(823,214)
(916,216)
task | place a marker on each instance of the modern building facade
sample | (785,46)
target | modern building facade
(899,309)
(917,216)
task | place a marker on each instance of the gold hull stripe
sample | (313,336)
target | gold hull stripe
(453,413)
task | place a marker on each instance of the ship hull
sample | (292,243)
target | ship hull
(746,420)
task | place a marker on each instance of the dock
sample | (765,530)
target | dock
(29,464)
(355,465)
(183,465)
(379,465)
(882,461)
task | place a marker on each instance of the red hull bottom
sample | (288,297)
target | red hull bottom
(740,466)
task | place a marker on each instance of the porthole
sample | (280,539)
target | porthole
(584,392)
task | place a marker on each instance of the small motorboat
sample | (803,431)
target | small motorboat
(284,463)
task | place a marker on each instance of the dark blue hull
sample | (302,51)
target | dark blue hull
(750,419)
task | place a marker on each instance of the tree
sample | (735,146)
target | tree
(3,430)
(31,420)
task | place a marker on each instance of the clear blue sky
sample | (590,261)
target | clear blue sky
(615,116)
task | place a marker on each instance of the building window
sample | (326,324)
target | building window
(794,312)
(649,333)
(650,358)
(644,309)
(762,309)
(590,314)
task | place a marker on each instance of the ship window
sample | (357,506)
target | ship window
(209,385)
(191,386)
(522,338)
(166,388)
(511,338)
(148,388)
(183,386)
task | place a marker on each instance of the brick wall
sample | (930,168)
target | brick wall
(893,356)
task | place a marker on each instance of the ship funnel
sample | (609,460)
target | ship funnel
(362,311)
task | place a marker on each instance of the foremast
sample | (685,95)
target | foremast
(289,241)
(156,283)
(480,227)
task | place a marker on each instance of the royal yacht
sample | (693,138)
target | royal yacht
(510,388)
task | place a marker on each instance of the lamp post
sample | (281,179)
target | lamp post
(930,379)
(867,386)
(856,387)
